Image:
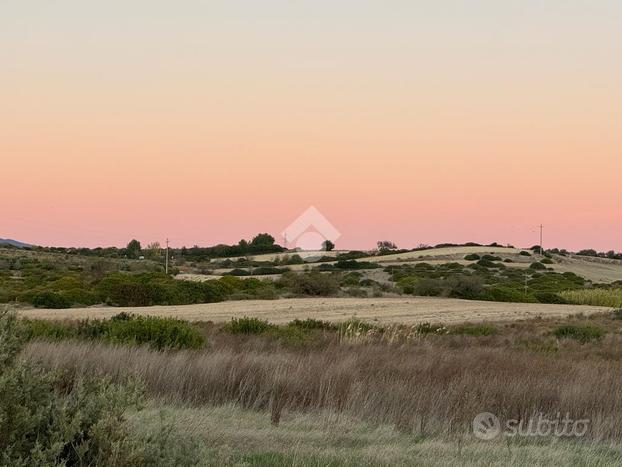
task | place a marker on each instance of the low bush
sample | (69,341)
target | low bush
(124,328)
(312,324)
(525,253)
(50,300)
(581,332)
(550,297)
(428,287)
(472,257)
(538,266)
(312,283)
(51,418)
(500,293)
(247,325)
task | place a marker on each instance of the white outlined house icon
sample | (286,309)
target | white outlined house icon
(310,230)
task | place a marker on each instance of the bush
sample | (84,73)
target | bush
(50,300)
(537,266)
(547,261)
(313,283)
(466,287)
(500,293)
(472,257)
(48,418)
(124,328)
(428,288)
(525,253)
(312,324)
(248,325)
(583,333)
(550,297)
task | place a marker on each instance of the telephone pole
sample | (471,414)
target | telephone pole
(541,249)
(166,266)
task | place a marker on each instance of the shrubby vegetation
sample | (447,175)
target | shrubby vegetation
(158,333)
(491,281)
(53,418)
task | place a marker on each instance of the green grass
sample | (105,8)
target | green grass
(580,332)
(236,436)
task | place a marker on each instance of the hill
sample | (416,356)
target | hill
(8,241)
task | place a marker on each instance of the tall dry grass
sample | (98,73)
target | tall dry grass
(421,388)
(596,297)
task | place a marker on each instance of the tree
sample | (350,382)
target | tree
(154,249)
(262,239)
(327,245)
(133,249)
(385,245)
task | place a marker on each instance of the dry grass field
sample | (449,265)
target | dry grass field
(410,310)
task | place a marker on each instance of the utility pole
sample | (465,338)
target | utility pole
(541,249)
(166,267)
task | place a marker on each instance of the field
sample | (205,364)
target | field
(369,397)
(383,310)
(350,360)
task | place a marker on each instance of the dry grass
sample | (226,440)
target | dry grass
(432,386)
(410,310)
(597,297)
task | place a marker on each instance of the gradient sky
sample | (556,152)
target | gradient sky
(413,121)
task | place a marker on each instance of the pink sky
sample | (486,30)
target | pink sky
(419,125)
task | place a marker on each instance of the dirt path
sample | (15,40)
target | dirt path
(384,310)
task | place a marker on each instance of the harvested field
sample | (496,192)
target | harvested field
(383,310)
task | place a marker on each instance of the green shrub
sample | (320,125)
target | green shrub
(547,261)
(550,297)
(312,283)
(311,324)
(473,329)
(537,266)
(472,257)
(50,300)
(49,418)
(580,332)
(428,288)
(500,293)
(466,287)
(486,263)
(157,333)
(356,292)
(248,325)
(525,253)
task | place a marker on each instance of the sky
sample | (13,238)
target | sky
(410,121)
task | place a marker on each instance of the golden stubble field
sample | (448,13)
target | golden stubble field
(410,310)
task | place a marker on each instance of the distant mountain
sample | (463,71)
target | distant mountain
(8,241)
